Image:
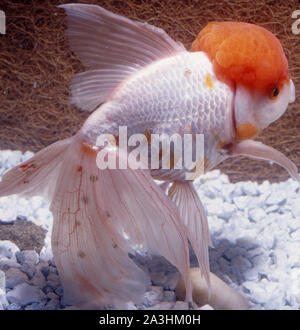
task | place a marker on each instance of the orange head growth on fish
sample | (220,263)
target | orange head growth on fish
(251,60)
(244,53)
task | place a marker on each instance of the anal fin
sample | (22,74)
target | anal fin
(194,219)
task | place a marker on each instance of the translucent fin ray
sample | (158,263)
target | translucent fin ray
(256,149)
(107,43)
(38,175)
(194,218)
(102,215)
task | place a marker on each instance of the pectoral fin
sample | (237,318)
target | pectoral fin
(256,149)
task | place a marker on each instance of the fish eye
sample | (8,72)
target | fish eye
(274,92)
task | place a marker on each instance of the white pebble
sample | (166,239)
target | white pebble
(250,188)
(295,235)
(14,277)
(277,198)
(256,214)
(8,249)
(6,263)
(2,280)
(154,296)
(29,257)
(169,296)
(226,211)
(241,202)
(24,294)
(272,208)
(180,305)
(162,306)
(205,307)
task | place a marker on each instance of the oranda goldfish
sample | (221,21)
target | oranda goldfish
(233,83)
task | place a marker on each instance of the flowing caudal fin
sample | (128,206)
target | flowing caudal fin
(256,149)
(194,219)
(99,217)
(113,47)
(38,175)
(102,215)
(90,250)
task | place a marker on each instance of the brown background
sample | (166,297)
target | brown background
(36,68)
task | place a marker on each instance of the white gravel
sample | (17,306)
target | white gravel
(255,230)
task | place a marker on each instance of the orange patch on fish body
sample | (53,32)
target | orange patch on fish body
(221,144)
(148,135)
(206,163)
(88,150)
(246,131)
(208,81)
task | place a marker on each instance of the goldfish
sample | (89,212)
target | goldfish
(229,86)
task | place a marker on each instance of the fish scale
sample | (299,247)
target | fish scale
(171,100)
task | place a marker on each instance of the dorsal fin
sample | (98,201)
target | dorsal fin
(113,47)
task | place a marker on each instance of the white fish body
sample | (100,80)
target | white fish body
(178,94)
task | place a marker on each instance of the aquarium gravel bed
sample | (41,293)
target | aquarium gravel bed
(255,231)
